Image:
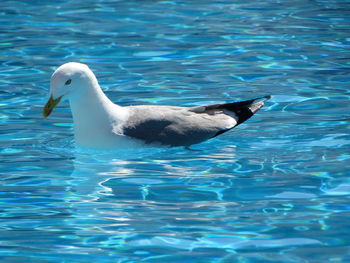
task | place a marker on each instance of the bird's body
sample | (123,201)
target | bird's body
(99,123)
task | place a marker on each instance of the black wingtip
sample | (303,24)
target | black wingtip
(246,109)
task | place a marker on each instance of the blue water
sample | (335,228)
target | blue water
(275,189)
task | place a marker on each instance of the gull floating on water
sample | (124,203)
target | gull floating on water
(99,123)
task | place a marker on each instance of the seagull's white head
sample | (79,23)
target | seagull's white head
(69,81)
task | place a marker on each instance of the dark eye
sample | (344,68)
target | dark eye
(68,82)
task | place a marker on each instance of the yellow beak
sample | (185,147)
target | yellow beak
(50,105)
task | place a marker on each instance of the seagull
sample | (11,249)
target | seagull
(99,123)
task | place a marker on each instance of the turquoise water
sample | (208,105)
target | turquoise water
(276,189)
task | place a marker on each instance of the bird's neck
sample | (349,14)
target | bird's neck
(94,115)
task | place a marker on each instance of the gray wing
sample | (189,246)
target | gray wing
(182,126)
(174,126)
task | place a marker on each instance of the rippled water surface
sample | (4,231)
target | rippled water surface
(276,189)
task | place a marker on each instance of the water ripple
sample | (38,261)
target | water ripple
(273,190)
